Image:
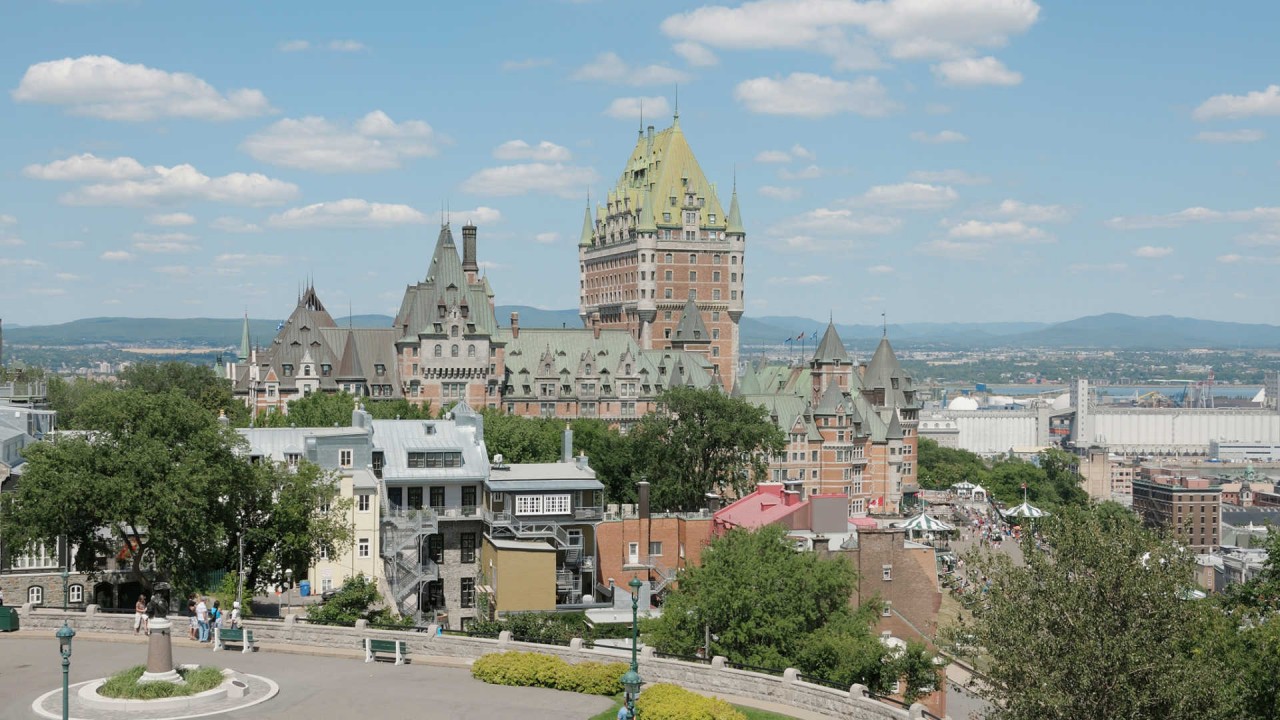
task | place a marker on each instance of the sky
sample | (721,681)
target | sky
(936,160)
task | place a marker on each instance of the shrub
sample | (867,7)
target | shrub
(672,702)
(124,684)
(526,669)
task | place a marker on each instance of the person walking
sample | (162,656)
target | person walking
(202,620)
(140,615)
(195,621)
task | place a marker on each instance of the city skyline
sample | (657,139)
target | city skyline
(985,160)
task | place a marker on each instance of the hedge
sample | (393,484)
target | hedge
(528,669)
(664,701)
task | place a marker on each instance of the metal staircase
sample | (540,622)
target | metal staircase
(528,530)
(403,530)
(665,576)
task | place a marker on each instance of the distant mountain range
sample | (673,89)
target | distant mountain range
(1112,331)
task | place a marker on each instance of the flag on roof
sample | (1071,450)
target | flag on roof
(814,336)
(789,340)
(800,336)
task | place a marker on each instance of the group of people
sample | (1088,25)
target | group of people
(207,617)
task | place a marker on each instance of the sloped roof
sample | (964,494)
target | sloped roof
(734,224)
(882,372)
(691,328)
(350,366)
(831,349)
(445,285)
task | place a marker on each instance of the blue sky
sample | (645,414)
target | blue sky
(961,160)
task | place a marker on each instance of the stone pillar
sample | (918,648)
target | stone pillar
(160,653)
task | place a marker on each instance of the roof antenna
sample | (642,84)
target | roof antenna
(677,114)
(642,117)
(884,330)
(442,213)
(349,320)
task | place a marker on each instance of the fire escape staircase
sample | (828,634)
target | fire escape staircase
(403,531)
(574,557)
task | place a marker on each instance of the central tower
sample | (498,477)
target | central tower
(661,247)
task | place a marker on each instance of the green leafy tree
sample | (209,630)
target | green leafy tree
(400,409)
(1098,625)
(941,467)
(520,439)
(200,383)
(703,441)
(315,410)
(357,599)
(611,455)
(67,397)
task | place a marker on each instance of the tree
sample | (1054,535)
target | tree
(198,382)
(520,439)
(357,599)
(941,467)
(703,441)
(1098,625)
(67,397)
(315,410)
(400,409)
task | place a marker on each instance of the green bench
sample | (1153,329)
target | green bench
(233,635)
(397,647)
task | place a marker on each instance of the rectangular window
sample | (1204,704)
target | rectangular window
(715,294)
(468,599)
(555,505)
(467,547)
(380,369)
(326,369)
(655,549)
(288,370)
(362,502)
(345,457)
(528,504)
(886,572)
(432,460)
(667,275)
(362,547)
(468,497)
(435,547)
(437,498)
(693,276)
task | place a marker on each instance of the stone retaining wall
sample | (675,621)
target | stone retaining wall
(714,678)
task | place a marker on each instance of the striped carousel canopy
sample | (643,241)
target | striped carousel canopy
(1025,510)
(925,522)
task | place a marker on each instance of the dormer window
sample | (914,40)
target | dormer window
(288,370)
(453,331)
(380,369)
(325,370)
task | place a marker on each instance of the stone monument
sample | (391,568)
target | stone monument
(160,641)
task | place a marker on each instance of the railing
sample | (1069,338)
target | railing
(755,668)
(461,512)
(687,658)
(588,513)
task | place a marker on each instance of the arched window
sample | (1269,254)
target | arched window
(439,351)
(471,351)
(628,369)
(35,595)
(453,332)
(75,594)
(454,351)
(666,258)
(588,368)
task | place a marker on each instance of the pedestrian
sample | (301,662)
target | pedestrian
(235,614)
(195,620)
(215,615)
(202,620)
(1,598)
(140,615)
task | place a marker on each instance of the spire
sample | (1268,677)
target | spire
(691,328)
(675,120)
(646,222)
(588,228)
(349,367)
(446,266)
(244,339)
(734,225)
(831,349)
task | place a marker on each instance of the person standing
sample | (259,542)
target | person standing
(202,620)
(235,614)
(215,616)
(140,615)
(195,622)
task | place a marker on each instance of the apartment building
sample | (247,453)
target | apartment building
(1190,508)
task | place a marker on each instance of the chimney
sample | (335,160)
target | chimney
(862,369)
(713,502)
(469,264)
(643,491)
(595,324)
(821,545)
(566,450)
(515,325)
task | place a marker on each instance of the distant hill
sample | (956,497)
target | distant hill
(1112,330)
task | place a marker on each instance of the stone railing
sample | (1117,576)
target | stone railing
(718,677)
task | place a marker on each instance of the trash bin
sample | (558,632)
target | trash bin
(8,619)
(304,588)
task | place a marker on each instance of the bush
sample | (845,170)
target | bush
(357,599)
(526,669)
(672,702)
(125,685)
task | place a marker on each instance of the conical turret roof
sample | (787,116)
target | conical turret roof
(349,367)
(588,228)
(691,328)
(646,223)
(446,266)
(734,223)
(244,340)
(831,399)
(831,349)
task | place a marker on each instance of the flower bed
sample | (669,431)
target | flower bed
(124,684)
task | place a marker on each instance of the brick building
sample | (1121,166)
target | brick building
(661,238)
(1190,508)
(851,430)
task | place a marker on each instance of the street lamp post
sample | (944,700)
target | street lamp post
(65,633)
(631,679)
(288,587)
(66,591)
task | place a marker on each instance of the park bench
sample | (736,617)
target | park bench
(233,635)
(397,647)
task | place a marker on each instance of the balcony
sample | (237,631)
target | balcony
(461,512)
(588,513)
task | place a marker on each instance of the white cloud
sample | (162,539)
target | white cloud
(948,177)
(19,262)
(1230,136)
(939,138)
(957,249)
(632,108)
(799,280)
(1152,252)
(334,45)
(814,96)
(1097,267)
(773,156)
(479,216)
(183,183)
(88,166)
(234,225)
(695,54)
(175,242)
(1193,215)
(837,28)
(345,45)
(909,196)
(1013,230)
(1259,103)
(801,152)
(66,276)
(567,181)
(8,220)
(1262,239)
(525,64)
(173,270)
(608,67)
(171,219)
(349,212)
(547,238)
(803,232)
(545,151)
(11,241)
(374,142)
(294,45)
(976,71)
(1028,212)
(116,256)
(780,193)
(245,260)
(880,269)
(1230,258)
(103,87)
(810,172)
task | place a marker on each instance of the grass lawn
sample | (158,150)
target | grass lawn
(751,713)
(124,684)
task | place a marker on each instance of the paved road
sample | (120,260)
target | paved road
(311,687)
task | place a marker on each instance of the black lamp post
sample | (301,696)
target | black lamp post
(65,633)
(66,591)
(631,679)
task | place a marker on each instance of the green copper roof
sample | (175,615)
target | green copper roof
(831,349)
(664,166)
(646,223)
(588,228)
(244,340)
(735,217)
(691,329)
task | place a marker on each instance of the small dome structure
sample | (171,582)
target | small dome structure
(963,403)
